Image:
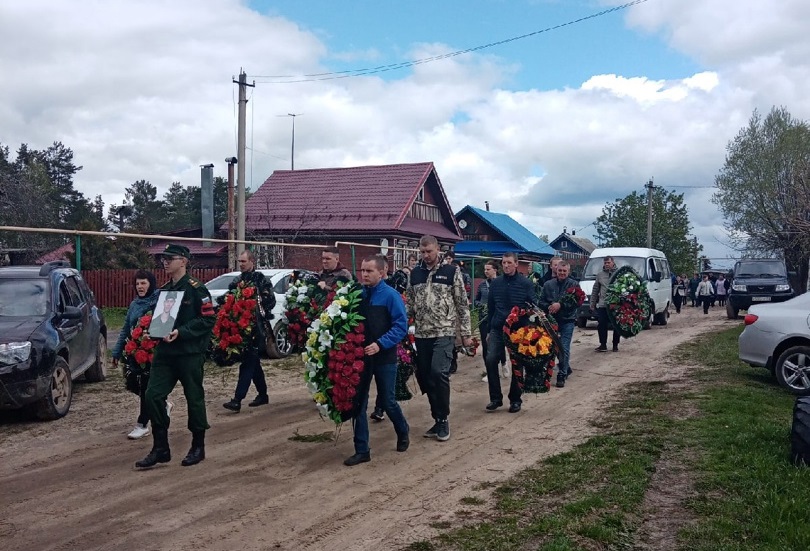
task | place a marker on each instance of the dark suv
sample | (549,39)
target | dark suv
(51,332)
(757,281)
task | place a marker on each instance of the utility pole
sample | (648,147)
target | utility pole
(231,248)
(240,154)
(292,148)
(649,213)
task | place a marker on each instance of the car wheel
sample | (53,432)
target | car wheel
(98,371)
(582,322)
(662,318)
(731,312)
(56,402)
(793,370)
(800,432)
(278,343)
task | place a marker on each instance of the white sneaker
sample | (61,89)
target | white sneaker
(169,407)
(138,432)
(485,379)
(506,371)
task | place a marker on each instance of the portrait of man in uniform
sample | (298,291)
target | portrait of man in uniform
(165,315)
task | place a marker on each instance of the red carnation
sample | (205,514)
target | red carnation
(141,356)
(145,321)
(130,347)
(248,292)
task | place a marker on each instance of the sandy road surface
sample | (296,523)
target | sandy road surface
(70,484)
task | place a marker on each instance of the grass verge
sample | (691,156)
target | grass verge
(727,426)
(114,317)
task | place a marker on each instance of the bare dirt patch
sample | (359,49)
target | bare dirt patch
(71,484)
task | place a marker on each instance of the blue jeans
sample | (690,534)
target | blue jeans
(566,332)
(386,377)
(250,370)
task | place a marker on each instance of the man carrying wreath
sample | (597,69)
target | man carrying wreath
(598,293)
(552,301)
(251,368)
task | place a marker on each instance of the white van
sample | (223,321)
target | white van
(650,264)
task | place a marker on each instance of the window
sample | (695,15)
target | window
(563,244)
(282,285)
(420,196)
(76,297)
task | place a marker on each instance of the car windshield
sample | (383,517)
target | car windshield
(220,283)
(23,297)
(760,269)
(595,265)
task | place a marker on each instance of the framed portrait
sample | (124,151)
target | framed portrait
(165,315)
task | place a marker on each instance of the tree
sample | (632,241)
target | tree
(763,189)
(623,223)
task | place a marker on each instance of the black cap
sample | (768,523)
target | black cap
(173,249)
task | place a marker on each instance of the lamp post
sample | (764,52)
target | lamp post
(292,148)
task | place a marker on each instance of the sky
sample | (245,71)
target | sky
(547,128)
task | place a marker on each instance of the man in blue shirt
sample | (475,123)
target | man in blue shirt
(386,325)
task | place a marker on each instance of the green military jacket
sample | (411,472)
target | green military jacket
(195,319)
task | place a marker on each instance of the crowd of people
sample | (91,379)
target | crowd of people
(705,291)
(436,310)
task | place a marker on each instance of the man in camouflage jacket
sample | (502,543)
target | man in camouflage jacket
(437,301)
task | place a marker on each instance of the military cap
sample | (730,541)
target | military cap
(173,249)
(171,295)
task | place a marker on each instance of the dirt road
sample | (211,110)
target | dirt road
(71,484)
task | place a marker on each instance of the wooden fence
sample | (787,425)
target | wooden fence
(115,288)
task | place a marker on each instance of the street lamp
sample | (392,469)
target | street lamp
(292,149)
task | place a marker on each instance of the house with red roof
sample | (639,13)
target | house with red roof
(373,209)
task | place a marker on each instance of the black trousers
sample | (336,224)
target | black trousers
(143,414)
(602,328)
(677,300)
(250,370)
(493,358)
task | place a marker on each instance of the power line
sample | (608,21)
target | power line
(313,77)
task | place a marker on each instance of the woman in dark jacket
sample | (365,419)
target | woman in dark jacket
(146,297)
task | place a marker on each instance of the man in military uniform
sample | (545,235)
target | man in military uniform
(179,357)
(251,368)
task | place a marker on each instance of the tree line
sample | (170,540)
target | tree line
(37,190)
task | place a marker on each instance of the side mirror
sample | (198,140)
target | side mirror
(70,313)
(793,274)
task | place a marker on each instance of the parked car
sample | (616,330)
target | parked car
(651,266)
(277,344)
(51,332)
(777,337)
(756,281)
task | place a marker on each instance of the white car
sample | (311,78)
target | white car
(277,345)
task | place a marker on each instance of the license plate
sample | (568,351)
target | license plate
(760,299)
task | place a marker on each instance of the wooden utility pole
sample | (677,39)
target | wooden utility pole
(240,154)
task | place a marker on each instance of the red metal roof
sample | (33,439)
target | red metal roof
(195,247)
(56,254)
(365,198)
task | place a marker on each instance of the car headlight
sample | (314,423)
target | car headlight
(739,288)
(783,287)
(14,352)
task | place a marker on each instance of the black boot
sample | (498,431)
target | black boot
(160,450)
(197,451)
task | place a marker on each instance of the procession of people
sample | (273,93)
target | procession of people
(428,299)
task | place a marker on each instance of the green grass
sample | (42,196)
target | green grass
(114,317)
(727,426)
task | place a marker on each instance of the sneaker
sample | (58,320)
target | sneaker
(138,432)
(601,348)
(485,379)
(432,431)
(506,371)
(169,408)
(442,431)
(514,407)
(560,382)
(493,405)
(260,400)
(615,347)
(378,414)
(233,405)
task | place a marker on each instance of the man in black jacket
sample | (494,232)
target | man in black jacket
(506,291)
(251,368)
(550,302)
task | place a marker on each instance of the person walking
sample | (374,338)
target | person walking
(145,300)
(333,271)
(705,293)
(693,285)
(722,290)
(506,291)
(481,297)
(180,357)
(386,324)
(438,304)
(678,293)
(551,273)
(598,305)
(250,369)
(550,302)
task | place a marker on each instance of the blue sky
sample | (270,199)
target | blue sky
(547,129)
(383,32)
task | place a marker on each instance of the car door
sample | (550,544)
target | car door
(653,286)
(89,326)
(70,329)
